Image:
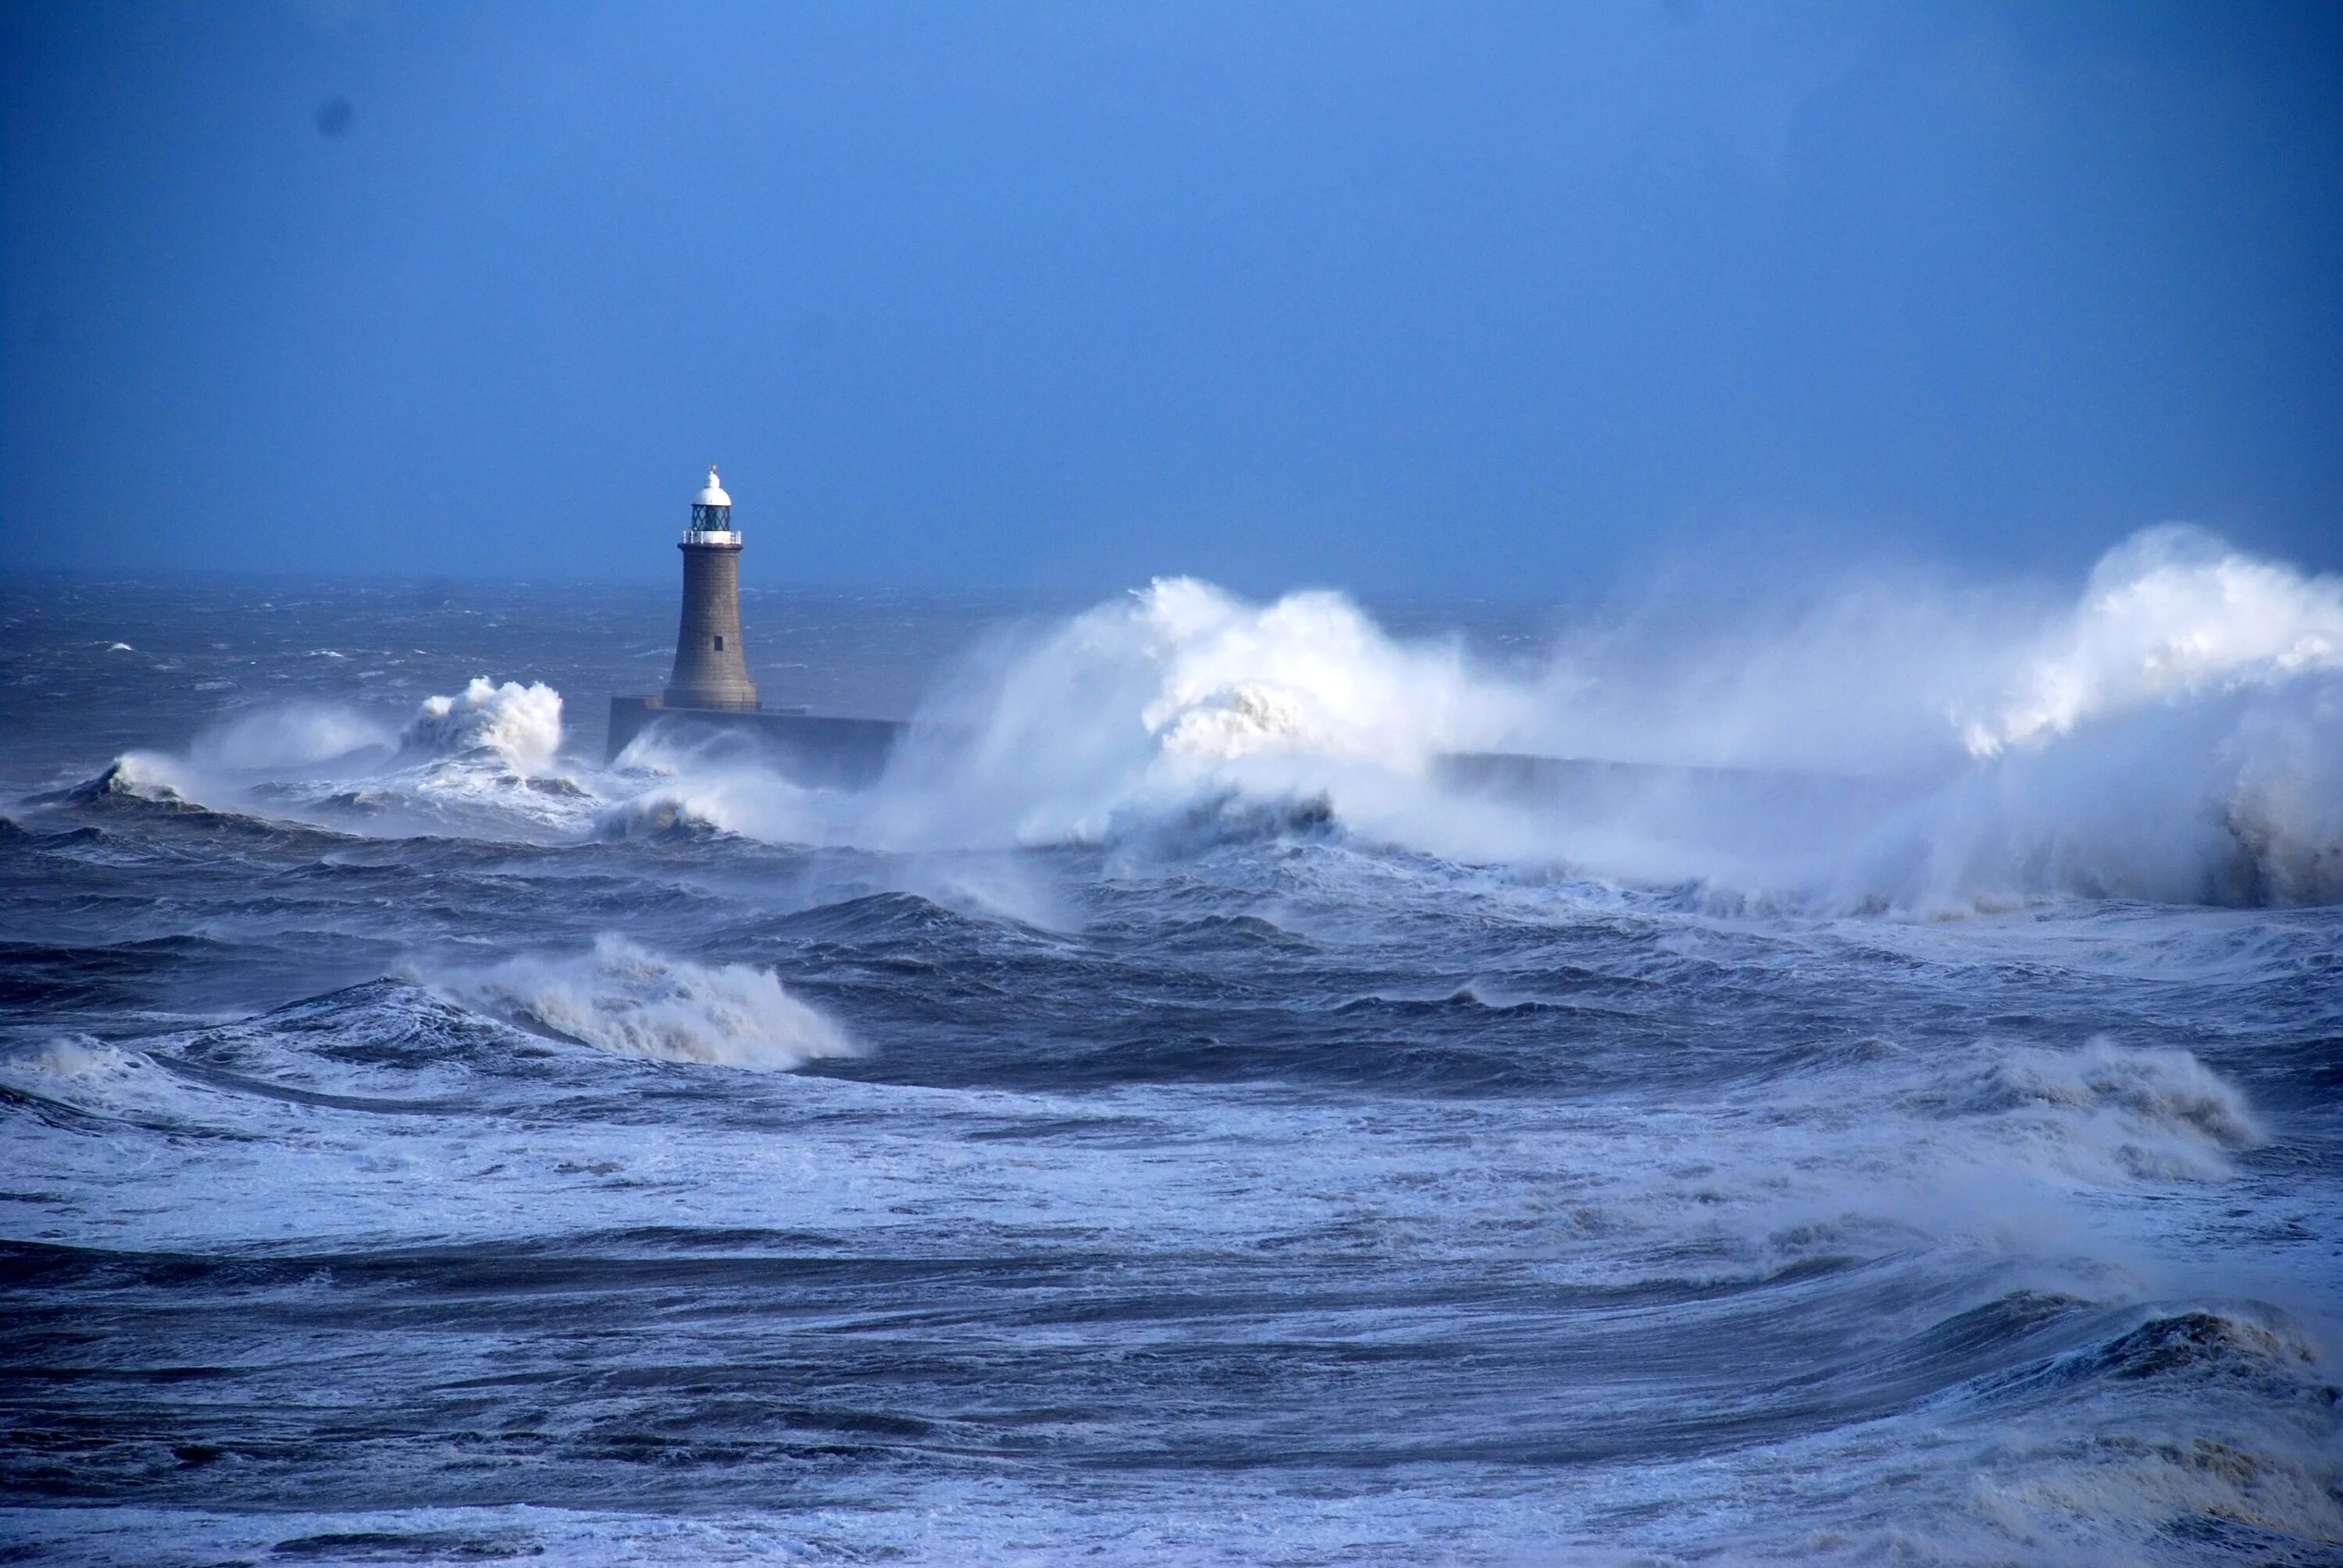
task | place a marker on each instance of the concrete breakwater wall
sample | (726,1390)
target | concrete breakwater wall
(836,751)
(812,748)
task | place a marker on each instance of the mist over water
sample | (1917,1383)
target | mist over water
(2171,734)
(1869,1093)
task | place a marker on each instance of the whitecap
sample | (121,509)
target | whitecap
(521,724)
(624,998)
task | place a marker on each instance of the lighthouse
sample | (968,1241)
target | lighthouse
(709,669)
(709,698)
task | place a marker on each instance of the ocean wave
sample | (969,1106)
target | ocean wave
(75,1056)
(2173,733)
(2231,798)
(624,998)
(1174,694)
(482,762)
(134,780)
(78,1084)
(2176,734)
(2170,611)
(2205,1345)
(2143,1111)
(1219,818)
(520,724)
(664,814)
(2156,1452)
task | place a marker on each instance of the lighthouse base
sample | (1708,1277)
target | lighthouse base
(819,748)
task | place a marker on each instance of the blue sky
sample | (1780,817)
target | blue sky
(1487,298)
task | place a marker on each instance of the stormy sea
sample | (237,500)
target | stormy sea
(1836,1078)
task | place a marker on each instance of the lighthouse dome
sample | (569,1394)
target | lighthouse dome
(713,495)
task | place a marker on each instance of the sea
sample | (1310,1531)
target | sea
(1875,1096)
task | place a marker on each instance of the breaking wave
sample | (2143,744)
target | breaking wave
(624,998)
(75,1056)
(484,760)
(2175,734)
(2128,1110)
(520,724)
(134,778)
(2169,613)
(659,814)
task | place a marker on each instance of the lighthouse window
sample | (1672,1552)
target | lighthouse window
(719,645)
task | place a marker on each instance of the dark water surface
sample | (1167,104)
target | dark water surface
(421,1142)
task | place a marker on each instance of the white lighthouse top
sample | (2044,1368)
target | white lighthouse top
(711,526)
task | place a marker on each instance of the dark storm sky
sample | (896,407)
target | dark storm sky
(1438,297)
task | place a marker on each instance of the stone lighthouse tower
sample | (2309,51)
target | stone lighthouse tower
(710,671)
(710,694)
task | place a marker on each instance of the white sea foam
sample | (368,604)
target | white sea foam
(2110,1110)
(480,760)
(140,776)
(520,724)
(75,1056)
(626,998)
(2000,1148)
(95,1076)
(710,784)
(2171,611)
(1150,703)
(2174,732)
(661,812)
(2172,735)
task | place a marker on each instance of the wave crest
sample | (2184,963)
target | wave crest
(1310,673)
(2145,1112)
(520,724)
(2170,611)
(626,998)
(135,779)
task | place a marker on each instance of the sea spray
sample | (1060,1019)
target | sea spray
(1151,702)
(624,997)
(2169,613)
(520,724)
(279,736)
(2172,732)
(1321,1134)
(2168,735)
(481,760)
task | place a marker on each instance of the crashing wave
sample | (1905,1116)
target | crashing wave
(520,724)
(1308,674)
(2129,1111)
(626,998)
(2176,734)
(479,761)
(661,814)
(75,1056)
(138,780)
(2170,612)
(1228,816)
(2233,798)
(2202,1343)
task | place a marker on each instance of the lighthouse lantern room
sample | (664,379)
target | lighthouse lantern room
(712,514)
